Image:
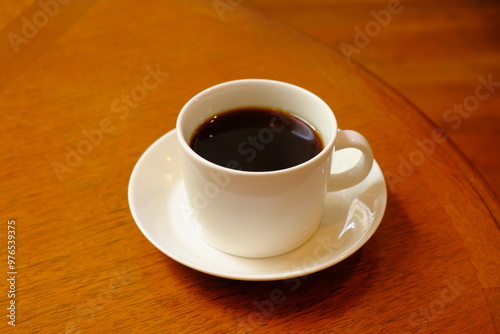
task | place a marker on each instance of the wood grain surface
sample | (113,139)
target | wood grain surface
(433,52)
(72,127)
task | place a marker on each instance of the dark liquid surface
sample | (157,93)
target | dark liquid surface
(256,139)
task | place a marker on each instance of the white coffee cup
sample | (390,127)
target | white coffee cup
(262,214)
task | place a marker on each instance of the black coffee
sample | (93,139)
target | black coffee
(256,139)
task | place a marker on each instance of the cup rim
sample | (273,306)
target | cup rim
(318,158)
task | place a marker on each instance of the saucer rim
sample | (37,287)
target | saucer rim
(287,274)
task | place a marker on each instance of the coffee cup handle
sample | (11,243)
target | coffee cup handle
(357,173)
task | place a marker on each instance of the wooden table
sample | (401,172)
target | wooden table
(86,87)
(431,52)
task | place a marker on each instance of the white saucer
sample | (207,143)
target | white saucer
(160,208)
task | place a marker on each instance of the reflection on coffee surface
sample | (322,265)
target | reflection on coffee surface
(256,139)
